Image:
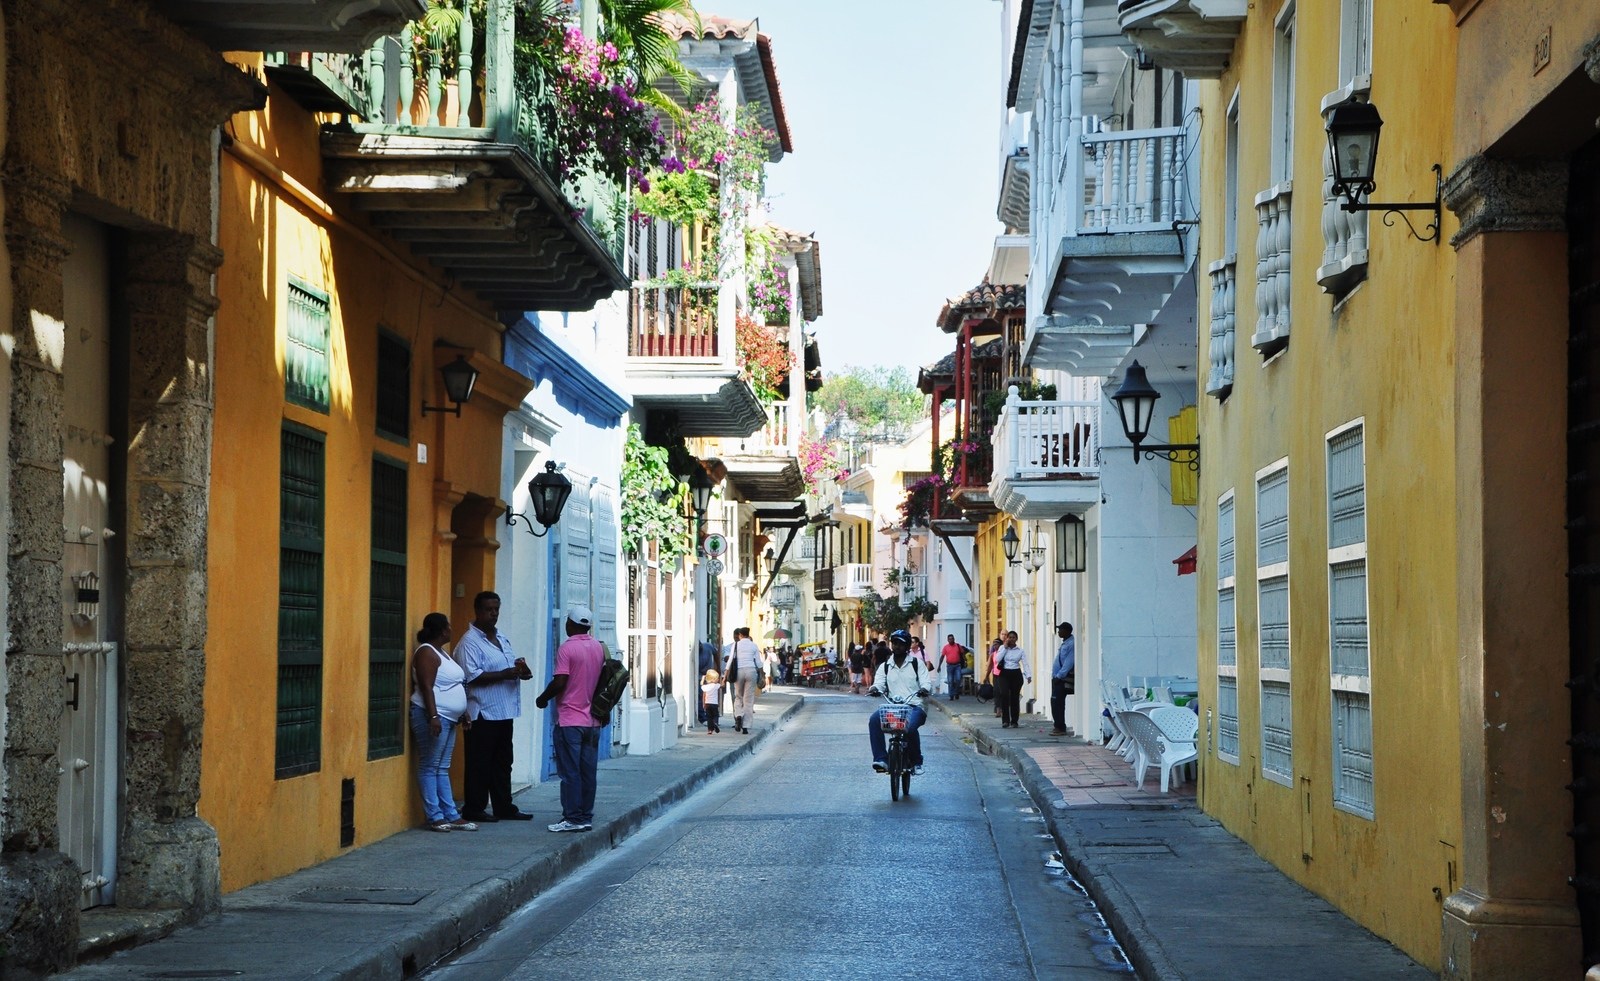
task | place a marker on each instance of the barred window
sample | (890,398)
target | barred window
(386,656)
(300,548)
(305,360)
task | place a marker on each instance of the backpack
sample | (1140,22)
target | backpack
(608,689)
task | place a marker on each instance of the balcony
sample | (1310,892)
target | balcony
(466,177)
(1224,299)
(1108,253)
(767,466)
(852,581)
(321,25)
(1194,37)
(913,586)
(681,363)
(822,584)
(1047,458)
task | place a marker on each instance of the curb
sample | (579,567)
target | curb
(483,904)
(1138,939)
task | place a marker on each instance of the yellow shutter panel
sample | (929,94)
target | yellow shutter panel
(1184,428)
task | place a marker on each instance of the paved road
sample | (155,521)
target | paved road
(797,865)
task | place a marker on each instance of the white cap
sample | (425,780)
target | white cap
(580,615)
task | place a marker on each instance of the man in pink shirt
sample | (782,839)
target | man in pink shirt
(577,732)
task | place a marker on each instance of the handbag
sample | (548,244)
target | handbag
(733,666)
(985,692)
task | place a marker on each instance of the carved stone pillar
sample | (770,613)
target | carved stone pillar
(1513,914)
(169,856)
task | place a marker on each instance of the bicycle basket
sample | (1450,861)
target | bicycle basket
(894,718)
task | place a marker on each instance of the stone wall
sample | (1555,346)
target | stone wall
(111,112)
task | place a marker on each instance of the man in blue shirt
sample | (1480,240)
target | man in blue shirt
(1062,677)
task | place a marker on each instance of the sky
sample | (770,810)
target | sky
(894,114)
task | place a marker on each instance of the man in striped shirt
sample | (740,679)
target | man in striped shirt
(494,700)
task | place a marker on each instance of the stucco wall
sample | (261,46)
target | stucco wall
(1381,356)
(273,225)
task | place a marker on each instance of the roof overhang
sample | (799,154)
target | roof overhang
(304,25)
(761,477)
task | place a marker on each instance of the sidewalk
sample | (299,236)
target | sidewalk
(392,908)
(1186,898)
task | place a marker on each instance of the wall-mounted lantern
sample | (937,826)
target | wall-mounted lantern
(459,378)
(549,491)
(1071,544)
(1352,129)
(1136,405)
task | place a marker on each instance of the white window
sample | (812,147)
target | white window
(1272,620)
(1283,97)
(1355,40)
(1349,656)
(1227,650)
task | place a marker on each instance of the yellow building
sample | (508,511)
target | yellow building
(1328,500)
(1397,604)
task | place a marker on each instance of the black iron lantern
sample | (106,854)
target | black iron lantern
(1071,544)
(549,491)
(1136,407)
(822,616)
(700,489)
(771,560)
(1010,542)
(459,379)
(1353,142)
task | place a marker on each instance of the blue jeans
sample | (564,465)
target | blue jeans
(913,737)
(952,677)
(577,756)
(433,766)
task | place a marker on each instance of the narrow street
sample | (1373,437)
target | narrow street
(797,865)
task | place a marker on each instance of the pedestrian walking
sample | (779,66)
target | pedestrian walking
(1063,675)
(743,671)
(438,707)
(706,661)
(576,733)
(858,669)
(494,676)
(952,654)
(1013,665)
(711,699)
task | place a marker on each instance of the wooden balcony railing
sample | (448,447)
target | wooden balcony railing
(672,322)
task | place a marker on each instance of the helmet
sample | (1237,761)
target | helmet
(900,637)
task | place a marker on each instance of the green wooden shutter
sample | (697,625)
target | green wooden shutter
(394,388)
(386,661)
(305,360)
(299,737)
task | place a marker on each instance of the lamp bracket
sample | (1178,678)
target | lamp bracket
(511,522)
(1391,209)
(1170,453)
(454,410)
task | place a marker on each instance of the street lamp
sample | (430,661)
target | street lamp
(771,561)
(1352,129)
(549,491)
(1009,541)
(700,490)
(1136,404)
(1070,544)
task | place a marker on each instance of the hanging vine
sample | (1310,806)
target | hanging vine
(654,502)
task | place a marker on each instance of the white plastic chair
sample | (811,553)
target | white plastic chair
(1123,745)
(1166,738)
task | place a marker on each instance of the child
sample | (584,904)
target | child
(711,698)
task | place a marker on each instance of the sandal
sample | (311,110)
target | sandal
(438,826)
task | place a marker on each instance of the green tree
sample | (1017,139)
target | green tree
(879,400)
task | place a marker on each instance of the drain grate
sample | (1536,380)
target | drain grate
(364,897)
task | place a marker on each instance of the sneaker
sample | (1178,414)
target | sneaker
(569,826)
(879,766)
(438,826)
(460,824)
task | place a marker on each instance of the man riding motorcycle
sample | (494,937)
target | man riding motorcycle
(901,679)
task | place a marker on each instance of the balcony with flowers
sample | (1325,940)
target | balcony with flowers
(495,140)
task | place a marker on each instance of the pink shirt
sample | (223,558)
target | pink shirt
(579,658)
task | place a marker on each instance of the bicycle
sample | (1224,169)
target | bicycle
(895,720)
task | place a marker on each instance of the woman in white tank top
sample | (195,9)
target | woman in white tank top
(438,705)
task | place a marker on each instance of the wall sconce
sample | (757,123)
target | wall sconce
(459,377)
(821,617)
(1071,545)
(1353,143)
(700,487)
(1136,404)
(549,491)
(1009,541)
(771,562)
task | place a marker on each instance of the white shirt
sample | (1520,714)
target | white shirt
(477,654)
(749,658)
(901,682)
(1013,658)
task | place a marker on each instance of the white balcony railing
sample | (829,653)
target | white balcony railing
(777,437)
(852,580)
(1131,181)
(1272,269)
(1224,297)
(1041,440)
(1344,239)
(913,586)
